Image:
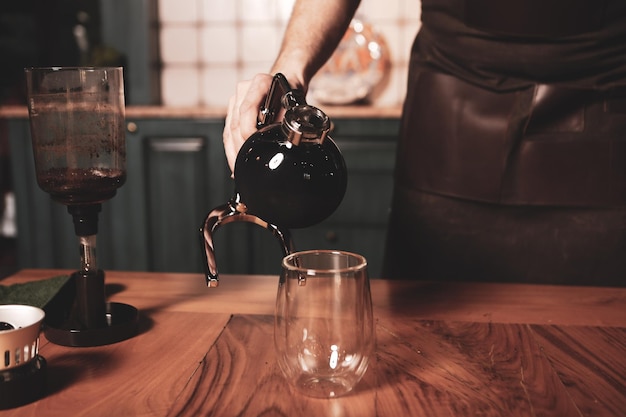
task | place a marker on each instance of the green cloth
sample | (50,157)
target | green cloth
(36,293)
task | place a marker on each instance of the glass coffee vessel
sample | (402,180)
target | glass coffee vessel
(77,122)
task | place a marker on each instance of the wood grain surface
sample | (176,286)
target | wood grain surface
(442,350)
(426,368)
(141,376)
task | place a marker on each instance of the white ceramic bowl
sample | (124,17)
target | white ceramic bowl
(21,344)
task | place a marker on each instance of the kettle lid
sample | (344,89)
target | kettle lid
(306,123)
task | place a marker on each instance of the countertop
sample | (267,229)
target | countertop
(443,349)
(162,112)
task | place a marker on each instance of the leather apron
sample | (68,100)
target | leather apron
(527,185)
(545,145)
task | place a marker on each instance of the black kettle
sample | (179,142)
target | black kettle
(288,174)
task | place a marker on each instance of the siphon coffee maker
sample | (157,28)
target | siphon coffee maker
(77,122)
(288,174)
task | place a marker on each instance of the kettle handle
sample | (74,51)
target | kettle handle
(288,98)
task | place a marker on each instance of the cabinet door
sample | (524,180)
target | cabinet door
(177,172)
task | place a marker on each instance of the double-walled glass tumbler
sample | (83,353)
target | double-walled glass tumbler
(324,331)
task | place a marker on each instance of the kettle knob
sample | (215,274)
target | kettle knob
(305,123)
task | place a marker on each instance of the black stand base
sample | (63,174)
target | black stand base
(24,384)
(121,325)
(78,316)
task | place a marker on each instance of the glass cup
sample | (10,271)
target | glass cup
(324,329)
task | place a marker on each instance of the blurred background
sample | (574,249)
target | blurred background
(182,60)
(177,52)
(207,45)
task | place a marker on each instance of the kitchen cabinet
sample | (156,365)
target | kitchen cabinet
(176,173)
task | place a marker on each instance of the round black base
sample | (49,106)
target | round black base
(24,384)
(121,322)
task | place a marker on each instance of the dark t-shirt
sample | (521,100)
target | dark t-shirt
(504,46)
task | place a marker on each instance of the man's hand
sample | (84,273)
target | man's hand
(309,40)
(243,109)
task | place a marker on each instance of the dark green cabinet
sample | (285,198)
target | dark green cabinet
(176,173)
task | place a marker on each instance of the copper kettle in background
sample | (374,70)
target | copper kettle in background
(288,174)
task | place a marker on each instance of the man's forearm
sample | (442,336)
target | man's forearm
(313,32)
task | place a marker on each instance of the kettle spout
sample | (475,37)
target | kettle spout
(211,224)
(233,211)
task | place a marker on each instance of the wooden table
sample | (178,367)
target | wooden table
(443,349)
